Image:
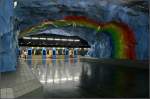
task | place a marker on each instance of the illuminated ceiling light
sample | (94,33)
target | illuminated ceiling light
(76,40)
(15,4)
(26,37)
(70,40)
(50,39)
(57,39)
(64,39)
(42,38)
(35,38)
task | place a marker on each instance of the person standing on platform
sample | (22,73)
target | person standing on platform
(25,54)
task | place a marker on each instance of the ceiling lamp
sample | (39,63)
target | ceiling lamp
(15,4)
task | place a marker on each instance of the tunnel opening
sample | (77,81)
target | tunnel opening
(53,40)
(52,46)
(122,35)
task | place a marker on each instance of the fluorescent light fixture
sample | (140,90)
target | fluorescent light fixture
(42,38)
(70,40)
(26,37)
(57,39)
(63,39)
(50,39)
(77,40)
(35,38)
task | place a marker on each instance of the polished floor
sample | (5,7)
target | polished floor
(71,78)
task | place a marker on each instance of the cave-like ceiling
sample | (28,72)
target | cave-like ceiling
(31,12)
(130,14)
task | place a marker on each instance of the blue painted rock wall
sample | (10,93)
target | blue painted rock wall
(136,20)
(7,37)
(99,10)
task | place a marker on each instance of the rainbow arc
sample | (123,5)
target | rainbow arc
(122,36)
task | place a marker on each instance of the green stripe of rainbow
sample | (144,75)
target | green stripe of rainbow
(122,36)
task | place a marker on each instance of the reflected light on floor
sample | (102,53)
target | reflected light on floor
(60,80)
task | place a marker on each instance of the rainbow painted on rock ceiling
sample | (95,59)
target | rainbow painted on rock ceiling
(122,36)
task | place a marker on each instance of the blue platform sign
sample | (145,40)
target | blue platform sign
(54,53)
(44,53)
(66,53)
(29,57)
(76,53)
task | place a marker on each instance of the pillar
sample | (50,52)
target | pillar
(8,45)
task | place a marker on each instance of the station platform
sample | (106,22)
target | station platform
(82,77)
(17,83)
(118,62)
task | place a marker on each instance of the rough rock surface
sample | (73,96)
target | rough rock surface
(7,37)
(132,12)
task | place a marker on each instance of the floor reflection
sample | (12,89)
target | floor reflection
(72,78)
(114,81)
